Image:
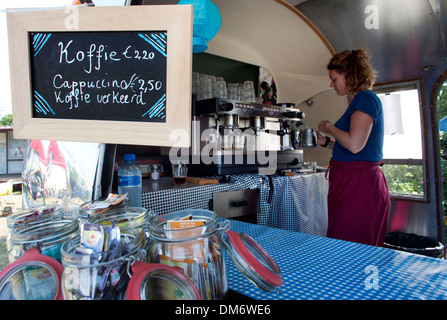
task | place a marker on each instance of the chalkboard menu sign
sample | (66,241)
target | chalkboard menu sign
(119,75)
(99,75)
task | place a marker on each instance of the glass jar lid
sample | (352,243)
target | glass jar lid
(47,232)
(159,232)
(154,281)
(253,261)
(133,217)
(32,277)
(102,205)
(35,215)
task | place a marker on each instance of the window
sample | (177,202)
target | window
(403,155)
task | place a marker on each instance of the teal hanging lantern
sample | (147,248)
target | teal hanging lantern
(206,23)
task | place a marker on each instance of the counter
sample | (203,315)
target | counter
(295,203)
(163,197)
(319,268)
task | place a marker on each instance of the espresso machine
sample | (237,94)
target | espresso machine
(230,137)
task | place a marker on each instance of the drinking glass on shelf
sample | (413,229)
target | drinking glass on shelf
(195,83)
(232,91)
(249,91)
(221,88)
(212,80)
(204,87)
(179,172)
(240,91)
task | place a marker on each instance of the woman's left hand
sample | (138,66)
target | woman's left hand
(322,126)
(321,139)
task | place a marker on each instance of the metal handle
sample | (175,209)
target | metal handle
(238,204)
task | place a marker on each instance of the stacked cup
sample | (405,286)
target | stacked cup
(209,86)
(195,83)
(232,91)
(240,91)
(204,87)
(221,88)
(249,91)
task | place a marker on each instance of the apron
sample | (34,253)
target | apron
(358,202)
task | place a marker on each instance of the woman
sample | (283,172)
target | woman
(358,199)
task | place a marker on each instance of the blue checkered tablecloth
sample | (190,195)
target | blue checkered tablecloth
(295,203)
(319,268)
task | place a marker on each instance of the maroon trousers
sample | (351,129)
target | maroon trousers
(358,202)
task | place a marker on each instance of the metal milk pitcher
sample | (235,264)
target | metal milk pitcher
(309,137)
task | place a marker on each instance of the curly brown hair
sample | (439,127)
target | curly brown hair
(355,66)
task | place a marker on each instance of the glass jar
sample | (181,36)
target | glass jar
(32,277)
(91,208)
(197,252)
(129,217)
(47,236)
(100,276)
(32,216)
(155,171)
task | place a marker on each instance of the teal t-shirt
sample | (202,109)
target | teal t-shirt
(368,102)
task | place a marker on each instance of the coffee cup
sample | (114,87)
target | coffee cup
(179,172)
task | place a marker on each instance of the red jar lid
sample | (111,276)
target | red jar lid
(32,277)
(253,261)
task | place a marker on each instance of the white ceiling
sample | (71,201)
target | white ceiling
(273,35)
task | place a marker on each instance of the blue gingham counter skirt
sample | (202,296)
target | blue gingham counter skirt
(169,198)
(295,203)
(320,268)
